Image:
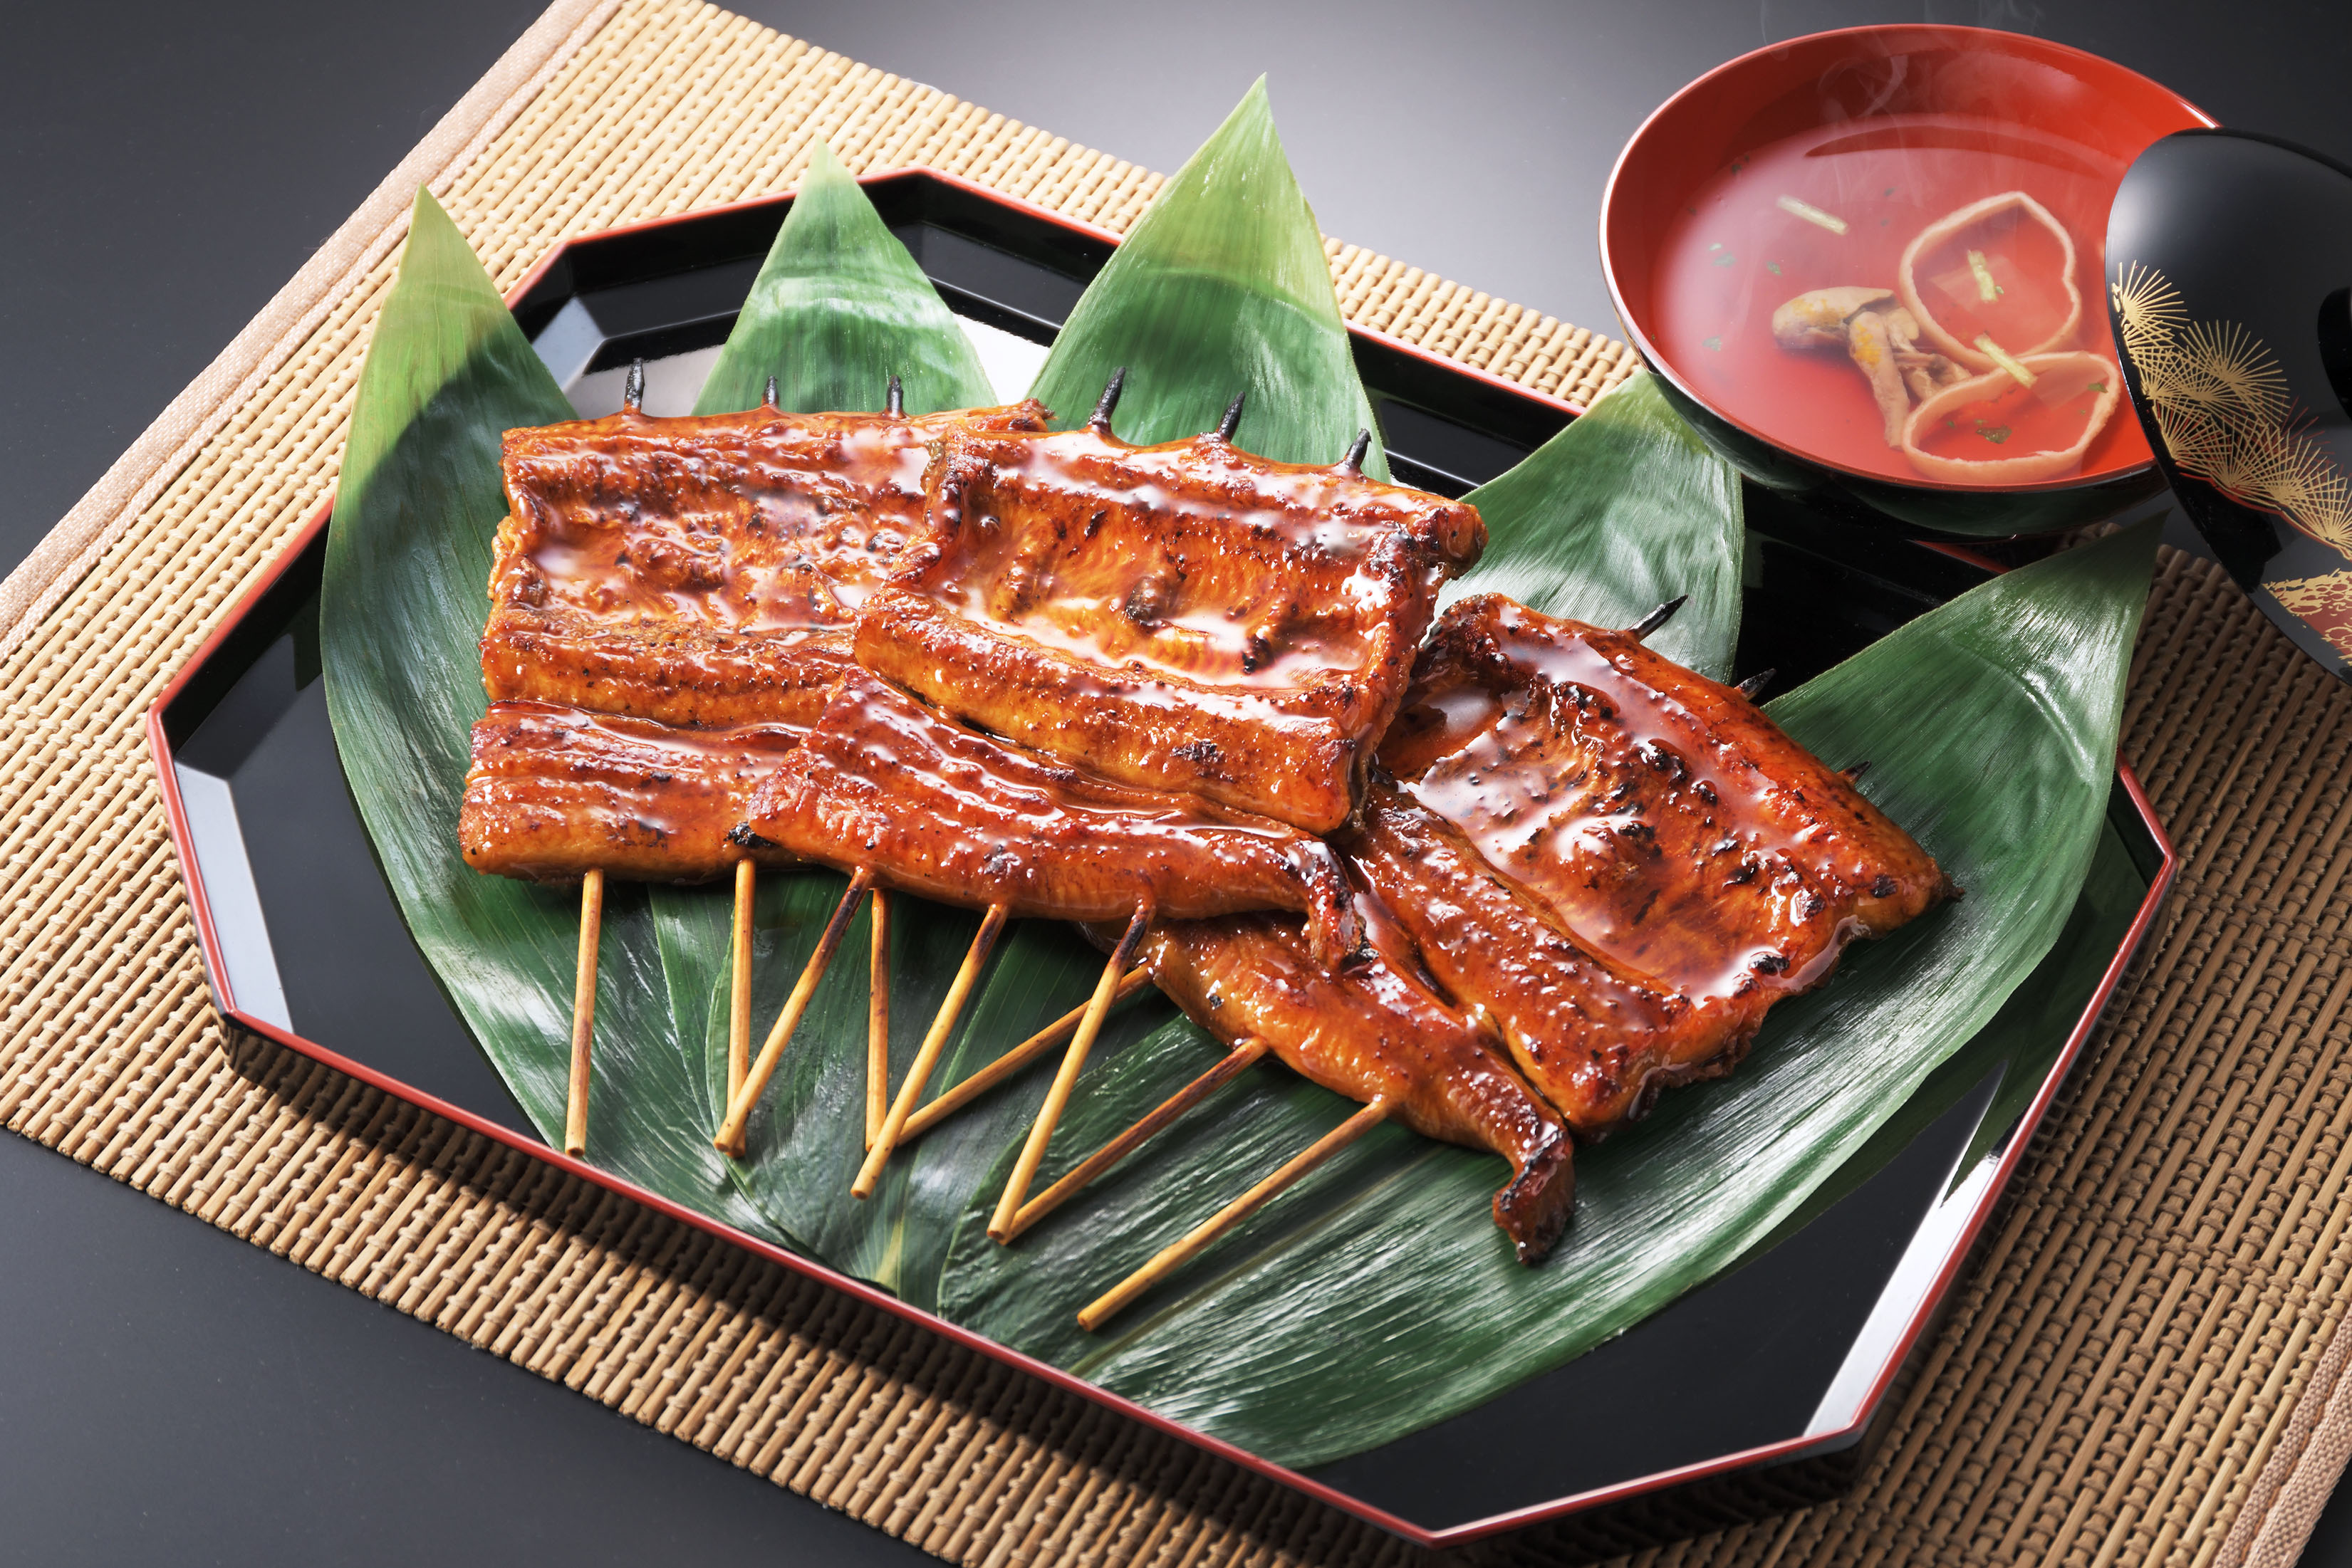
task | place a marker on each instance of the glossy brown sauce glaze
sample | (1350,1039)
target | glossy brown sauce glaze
(1546,880)
(1673,825)
(1180,617)
(554,792)
(1599,1041)
(702,570)
(936,809)
(1371,1029)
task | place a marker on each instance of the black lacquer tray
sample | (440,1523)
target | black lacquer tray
(1757,1393)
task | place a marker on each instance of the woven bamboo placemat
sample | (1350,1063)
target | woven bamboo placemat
(2144,1370)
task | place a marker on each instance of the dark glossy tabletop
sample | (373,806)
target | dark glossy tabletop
(170,1393)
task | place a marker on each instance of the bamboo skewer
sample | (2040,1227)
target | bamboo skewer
(894,1125)
(1640,630)
(583,1011)
(877,1015)
(1232,421)
(730,1140)
(1241,1056)
(1174,1256)
(1108,404)
(1012,1061)
(739,991)
(1001,1228)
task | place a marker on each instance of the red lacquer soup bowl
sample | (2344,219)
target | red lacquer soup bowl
(1812,242)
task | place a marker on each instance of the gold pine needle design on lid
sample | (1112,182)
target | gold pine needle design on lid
(2323,602)
(2225,412)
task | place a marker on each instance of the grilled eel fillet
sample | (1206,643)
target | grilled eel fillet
(554,792)
(1371,1028)
(1665,818)
(935,809)
(694,572)
(1602,864)
(1181,617)
(702,570)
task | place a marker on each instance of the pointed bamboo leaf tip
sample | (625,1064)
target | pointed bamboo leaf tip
(431,229)
(823,168)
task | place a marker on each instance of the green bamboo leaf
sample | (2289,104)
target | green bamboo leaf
(1378,1297)
(1221,287)
(400,606)
(2019,1045)
(1619,513)
(838,309)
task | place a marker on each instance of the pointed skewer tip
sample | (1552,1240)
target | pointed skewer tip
(633,389)
(769,400)
(896,403)
(1108,404)
(1233,419)
(1656,618)
(1754,685)
(1353,463)
(1854,774)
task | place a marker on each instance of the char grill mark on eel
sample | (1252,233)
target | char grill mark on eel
(699,574)
(703,570)
(1184,617)
(1587,862)
(554,792)
(1673,827)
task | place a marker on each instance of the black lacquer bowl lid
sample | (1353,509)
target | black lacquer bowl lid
(2230,268)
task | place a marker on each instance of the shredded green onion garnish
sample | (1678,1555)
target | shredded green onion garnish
(2004,358)
(1813,214)
(1986,289)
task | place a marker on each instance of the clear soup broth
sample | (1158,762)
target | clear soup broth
(1836,207)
